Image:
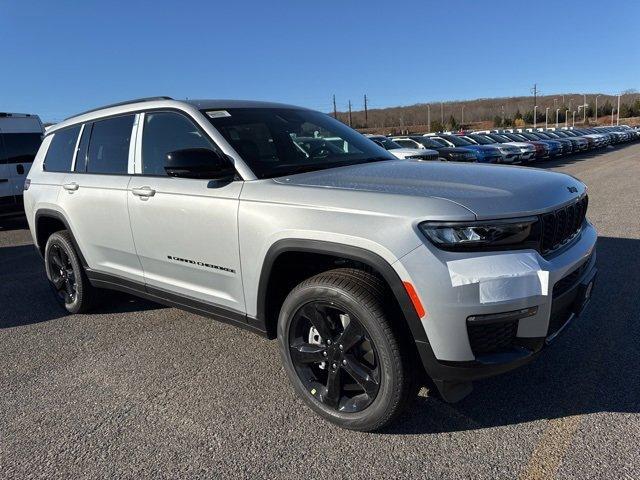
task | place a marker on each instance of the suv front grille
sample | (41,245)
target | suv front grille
(492,337)
(560,226)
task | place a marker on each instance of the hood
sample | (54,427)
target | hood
(489,191)
(525,145)
(410,152)
(483,148)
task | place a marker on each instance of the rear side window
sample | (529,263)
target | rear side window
(60,153)
(21,147)
(166,132)
(109,145)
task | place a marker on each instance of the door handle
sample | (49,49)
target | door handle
(144,192)
(71,187)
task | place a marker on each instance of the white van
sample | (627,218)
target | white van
(20,138)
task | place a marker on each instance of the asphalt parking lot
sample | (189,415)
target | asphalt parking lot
(139,390)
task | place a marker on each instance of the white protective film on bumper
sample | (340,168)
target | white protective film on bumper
(501,277)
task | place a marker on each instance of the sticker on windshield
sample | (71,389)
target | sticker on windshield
(218,114)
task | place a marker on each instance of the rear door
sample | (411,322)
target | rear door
(94,196)
(7,202)
(21,138)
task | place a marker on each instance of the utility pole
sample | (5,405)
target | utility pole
(557,116)
(366,113)
(349,112)
(618,121)
(428,118)
(335,110)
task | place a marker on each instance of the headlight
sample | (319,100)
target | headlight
(497,234)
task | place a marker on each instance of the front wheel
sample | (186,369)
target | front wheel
(340,351)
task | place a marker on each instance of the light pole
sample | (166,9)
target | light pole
(566,118)
(546,118)
(618,121)
(574,119)
(535,116)
(597,109)
(557,116)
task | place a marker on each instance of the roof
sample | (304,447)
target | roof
(207,104)
(162,102)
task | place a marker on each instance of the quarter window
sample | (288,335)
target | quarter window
(166,132)
(109,145)
(60,153)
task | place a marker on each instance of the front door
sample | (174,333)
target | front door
(185,230)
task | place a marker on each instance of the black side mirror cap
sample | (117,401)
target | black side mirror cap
(200,163)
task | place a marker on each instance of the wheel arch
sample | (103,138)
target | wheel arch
(340,251)
(49,221)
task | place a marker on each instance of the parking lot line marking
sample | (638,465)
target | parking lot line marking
(551,448)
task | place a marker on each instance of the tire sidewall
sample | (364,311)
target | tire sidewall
(63,243)
(389,376)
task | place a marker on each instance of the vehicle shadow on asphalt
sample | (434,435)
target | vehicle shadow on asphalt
(13,223)
(591,368)
(576,158)
(26,298)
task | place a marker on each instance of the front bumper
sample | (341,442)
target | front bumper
(450,353)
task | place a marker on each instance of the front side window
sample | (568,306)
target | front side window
(283,141)
(21,147)
(166,132)
(109,145)
(61,150)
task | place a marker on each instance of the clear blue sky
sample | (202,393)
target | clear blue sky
(60,57)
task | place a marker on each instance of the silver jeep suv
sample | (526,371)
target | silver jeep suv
(375,274)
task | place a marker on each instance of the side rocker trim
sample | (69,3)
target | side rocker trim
(154,294)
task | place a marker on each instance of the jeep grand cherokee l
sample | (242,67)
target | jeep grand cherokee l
(370,271)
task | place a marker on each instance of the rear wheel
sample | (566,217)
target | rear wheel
(340,351)
(66,276)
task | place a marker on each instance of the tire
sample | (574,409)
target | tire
(58,253)
(388,384)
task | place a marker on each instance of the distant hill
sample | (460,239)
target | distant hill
(483,112)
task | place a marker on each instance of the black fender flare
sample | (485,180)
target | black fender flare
(47,212)
(350,252)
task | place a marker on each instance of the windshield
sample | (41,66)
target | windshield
(284,141)
(458,141)
(430,142)
(433,142)
(481,139)
(387,143)
(499,138)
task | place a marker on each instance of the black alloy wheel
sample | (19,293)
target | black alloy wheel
(334,357)
(62,274)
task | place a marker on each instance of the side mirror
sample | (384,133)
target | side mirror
(379,143)
(200,163)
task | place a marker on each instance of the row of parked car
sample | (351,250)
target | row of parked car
(511,146)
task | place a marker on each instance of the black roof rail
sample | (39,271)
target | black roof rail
(119,104)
